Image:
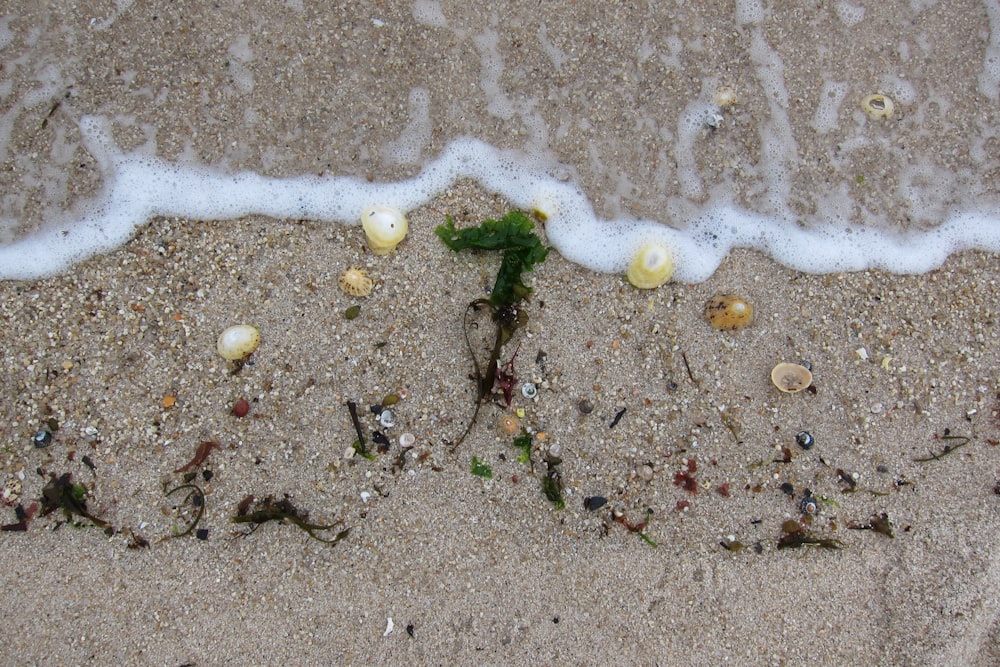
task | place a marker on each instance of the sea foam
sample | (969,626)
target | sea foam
(138,187)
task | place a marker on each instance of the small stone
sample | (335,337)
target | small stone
(42,439)
(646,473)
(594,503)
(585,406)
(241,408)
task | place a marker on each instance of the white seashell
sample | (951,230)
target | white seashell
(878,107)
(384,227)
(238,342)
(651,267)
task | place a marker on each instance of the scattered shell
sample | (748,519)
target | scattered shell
(42,438)
(645,473)
(356,282)
(791,378)
(878,107)
(387,419)
(805,439)
(510,425)
(384,227)
(725,97)
(10,495)
(238,342)
(407,440)
(555,450)
(529,390)
(241,408)
(651,267)
(729,312)
(808,505)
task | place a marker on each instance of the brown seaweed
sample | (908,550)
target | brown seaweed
(270,509)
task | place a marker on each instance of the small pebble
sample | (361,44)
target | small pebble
(594,503)
(241,408)
(646,473)
(586,407)
(42,439)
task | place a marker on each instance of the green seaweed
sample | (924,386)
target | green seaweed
(552,485)
(523,442)
(514,235)
(198,501)
(62,494)
(282,510)
(522,250)
(481,469)
(948,449)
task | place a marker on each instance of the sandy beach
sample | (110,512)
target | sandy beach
(675,424)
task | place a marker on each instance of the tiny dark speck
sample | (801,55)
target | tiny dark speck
(618,418)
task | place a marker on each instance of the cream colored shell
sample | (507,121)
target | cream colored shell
(356,282)
(652,266)
(878,107)
(385,227)
(238,342)
(791,378)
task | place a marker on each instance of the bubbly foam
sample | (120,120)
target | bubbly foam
(139,186)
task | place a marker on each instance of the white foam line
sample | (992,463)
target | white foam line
(139,187)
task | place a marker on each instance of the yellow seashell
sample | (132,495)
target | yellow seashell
(384,227)
(791,378)
(878,107)
(355,282)
(728,312)
(651,267)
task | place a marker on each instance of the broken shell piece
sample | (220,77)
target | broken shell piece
(791,378)
(728,312)
(355,281)
(238,342)
(651,267)
(384,227)
(878,107)
(725,97)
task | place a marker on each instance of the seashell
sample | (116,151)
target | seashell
(355,281)
(384,227)
(791,378)
(878,106)
(651,267)
(725,97)
(238,342)
(510,425)
(728,312)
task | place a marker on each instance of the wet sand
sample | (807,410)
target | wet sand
(471,570)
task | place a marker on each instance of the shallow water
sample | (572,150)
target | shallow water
(619,102)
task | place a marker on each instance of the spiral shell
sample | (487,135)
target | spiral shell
(385,227)
(651,267)
(355,281)
(238,342)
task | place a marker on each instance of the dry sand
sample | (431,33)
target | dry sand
(469,570)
